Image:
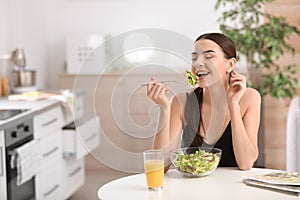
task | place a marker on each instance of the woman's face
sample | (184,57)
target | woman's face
(209,63)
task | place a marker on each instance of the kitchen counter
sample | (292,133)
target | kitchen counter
(54,147)
(32,107)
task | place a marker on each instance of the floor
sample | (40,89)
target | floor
(94,180)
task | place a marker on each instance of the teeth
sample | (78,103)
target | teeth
(199,74)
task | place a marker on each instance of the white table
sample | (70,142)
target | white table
(224,183)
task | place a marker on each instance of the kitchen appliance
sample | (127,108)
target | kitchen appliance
(85,53)
(8,113)
(18,57)
(18,133)
(23,79)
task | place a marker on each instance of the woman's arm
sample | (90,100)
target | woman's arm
(157,92)
(170,119)
(245,130)
(244,123)
(161,138)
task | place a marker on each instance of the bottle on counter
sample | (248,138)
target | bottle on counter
(5,74)
(5,85)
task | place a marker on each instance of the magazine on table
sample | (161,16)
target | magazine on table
(283,181)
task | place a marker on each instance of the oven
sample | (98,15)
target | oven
(16,134)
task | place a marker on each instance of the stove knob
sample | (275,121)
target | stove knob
(14,134)
(26,129)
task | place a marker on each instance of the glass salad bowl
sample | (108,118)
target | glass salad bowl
(196,161)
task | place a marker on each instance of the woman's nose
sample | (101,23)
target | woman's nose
(199,62)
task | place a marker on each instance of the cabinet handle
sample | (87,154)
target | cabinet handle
(51,190)
(50,152)
(49,122)
(78,169)
(90,138)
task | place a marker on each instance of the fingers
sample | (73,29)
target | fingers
(151,84)
(238,80)
(157,94)
(155,90)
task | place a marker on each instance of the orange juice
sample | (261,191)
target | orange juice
(154,173)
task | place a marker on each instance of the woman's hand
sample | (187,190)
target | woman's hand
(157,92)
(236,88)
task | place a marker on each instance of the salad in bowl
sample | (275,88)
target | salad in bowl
(196,161)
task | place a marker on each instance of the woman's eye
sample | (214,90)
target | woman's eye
(194,58)
(208,56)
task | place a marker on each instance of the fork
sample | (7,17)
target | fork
(165,81)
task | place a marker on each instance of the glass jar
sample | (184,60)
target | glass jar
(5,74)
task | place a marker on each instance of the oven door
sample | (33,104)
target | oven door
(25,191)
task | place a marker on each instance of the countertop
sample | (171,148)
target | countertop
(32,107)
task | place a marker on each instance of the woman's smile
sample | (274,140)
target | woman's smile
(202,73)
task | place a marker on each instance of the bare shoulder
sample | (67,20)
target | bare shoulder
(179,98)
(178,102)
(251,96)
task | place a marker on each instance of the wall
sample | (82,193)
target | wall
(42,26)
(276,109)
(5,26)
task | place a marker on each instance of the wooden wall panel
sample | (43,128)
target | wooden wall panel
(275,110)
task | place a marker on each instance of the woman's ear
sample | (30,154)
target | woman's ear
(230,65)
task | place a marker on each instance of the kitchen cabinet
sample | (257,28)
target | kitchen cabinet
(49,184)
(48,122)
(3,184)
(49,181)
(48,131)
(73,176)
(63,151)
(57,177)
(81,138)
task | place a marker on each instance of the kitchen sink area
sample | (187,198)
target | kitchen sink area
(8,113)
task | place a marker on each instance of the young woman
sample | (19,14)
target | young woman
(221,112)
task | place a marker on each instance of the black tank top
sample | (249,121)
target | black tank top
(190,137)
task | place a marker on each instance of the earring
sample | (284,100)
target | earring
(230,74)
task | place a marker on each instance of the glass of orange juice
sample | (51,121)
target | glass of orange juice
(154,168)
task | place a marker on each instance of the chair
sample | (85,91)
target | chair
(293,136)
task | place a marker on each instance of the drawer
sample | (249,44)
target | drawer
(73,109)
(74,176)
(51,150)
(48,122)
(78,106)
(49,184)
(81,140)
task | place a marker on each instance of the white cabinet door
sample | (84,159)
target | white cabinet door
(48,122)
(49,184)
(49,181)
(82,139)
(73,176)
(51,150)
